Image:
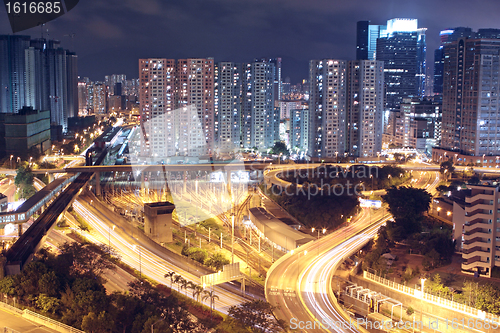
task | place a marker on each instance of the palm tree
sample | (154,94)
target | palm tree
(210,295)
(171,276)
(178,280)
(185,284)
(197,291)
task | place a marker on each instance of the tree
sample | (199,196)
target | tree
(87,260)
(97,323)
(24,181)
(178,279)
(446,168)
(170,275)
(407,205)
(47,304)
(280,148)
(211,296)
(217,261)
(197,291)
(258,316)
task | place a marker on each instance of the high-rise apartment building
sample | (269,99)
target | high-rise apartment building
(260,120)
(12,72)
(157,103)
(195,87)
(99,99)
(227,107)
(327,108)
(299,127)
(480,231)
(365,102)
(470,97)
(38,73)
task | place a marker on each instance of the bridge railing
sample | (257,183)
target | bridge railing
(459,307)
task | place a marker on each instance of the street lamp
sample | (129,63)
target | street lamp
(336,157)
(232,238)
(156,323)
(422,281)
(140,268)
(318,230)
(109,238)
(371,176)
(11,156)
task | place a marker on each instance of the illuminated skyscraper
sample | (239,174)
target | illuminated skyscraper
(227,107)
(260,121)
(365,102)
(471,97)
(327,108)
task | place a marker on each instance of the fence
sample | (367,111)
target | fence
(39,319)
(432,298)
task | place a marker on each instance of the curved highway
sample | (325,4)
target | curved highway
(300,282)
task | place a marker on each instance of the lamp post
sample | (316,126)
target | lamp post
(232,238)
(11,156)
(109,238)
(156,323)
(318,230)
(140,268)
(371,176)
(336,157)
(422,281)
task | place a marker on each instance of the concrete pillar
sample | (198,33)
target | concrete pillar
(20,229)
(51,177)
(98,183)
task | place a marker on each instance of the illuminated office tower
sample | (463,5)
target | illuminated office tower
(446,36)
(227,107)
(403,54)
(156,98)
(327,108)
(195,88)
(471,97)
(260,120)
(365,102)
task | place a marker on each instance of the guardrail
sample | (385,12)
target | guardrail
(37,318)
(49,322)
(432,298)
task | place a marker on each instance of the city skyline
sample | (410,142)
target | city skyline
(110,36)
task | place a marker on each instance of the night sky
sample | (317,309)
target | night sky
(111,35)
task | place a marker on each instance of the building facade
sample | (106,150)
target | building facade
(481,231)
(470,97)
(260,119)
(327,108)
(365,103)
(227,107)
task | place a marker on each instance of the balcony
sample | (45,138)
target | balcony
(486,204)
(475,262)
(477,232)
(478,223)
(478,213)
(478,197)
(476,241)
(476,251)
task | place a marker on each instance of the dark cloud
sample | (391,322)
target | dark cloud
(110,35)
